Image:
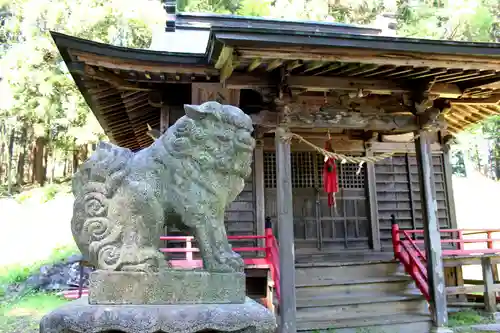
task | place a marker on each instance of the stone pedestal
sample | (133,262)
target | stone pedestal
(81,317)
(167,287)
(181,301)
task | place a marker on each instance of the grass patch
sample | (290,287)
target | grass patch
(42,194)
(467,318)
(23,315)
(18,273)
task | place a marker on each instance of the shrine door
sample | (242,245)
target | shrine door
(318,227)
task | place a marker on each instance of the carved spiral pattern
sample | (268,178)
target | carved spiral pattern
(97,228)
(95,204)
(108,255)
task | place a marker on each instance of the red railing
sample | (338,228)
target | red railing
(270,260)
(412,256)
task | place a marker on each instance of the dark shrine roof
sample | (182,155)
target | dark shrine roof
(248,52)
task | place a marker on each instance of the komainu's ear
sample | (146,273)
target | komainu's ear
(194,111)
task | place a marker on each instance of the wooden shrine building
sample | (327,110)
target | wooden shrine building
(365,93)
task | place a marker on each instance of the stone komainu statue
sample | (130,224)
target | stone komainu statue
(185,178)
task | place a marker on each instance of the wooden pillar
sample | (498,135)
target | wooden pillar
(372,200)
(260,206)
(490,301)
(285,230)
(435,269)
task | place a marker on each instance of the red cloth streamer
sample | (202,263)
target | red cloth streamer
(330,181)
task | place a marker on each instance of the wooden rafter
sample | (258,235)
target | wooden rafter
(371,56)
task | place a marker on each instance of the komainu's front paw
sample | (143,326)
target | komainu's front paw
(229,262)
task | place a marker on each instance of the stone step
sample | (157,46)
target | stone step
(387,284)
(395,323)
(353,309)
(354,299)
(355,270)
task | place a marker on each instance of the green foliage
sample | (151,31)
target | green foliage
(38,93)
(24,314)
(18,273)
(467,20)
(467,318)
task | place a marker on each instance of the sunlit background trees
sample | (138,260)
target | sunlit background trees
(46,129)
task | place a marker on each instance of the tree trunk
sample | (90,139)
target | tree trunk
(46,160)
(22,156)
(38,156)
(65,168)
(75,160)
(9,166)
(52,165)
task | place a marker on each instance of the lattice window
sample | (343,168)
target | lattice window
(269,170)
(348,175)
(302,170)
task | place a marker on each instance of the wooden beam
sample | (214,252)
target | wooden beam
(288,304)
(470,289)
(432,236)
(345,120)
(141,66)
(340,83)
(326,83)
(204,92)
(255,63)
(113,79)
(493,100)
(225,63)
(446,90)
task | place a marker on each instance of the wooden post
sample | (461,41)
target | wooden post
(285,230)
(449,186)
(372,201)
(490,301)
(432,236)
(164,118)
(260,213)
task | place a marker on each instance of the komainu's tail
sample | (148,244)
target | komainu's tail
(93,186)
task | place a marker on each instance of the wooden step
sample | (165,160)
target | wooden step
(356,270)
(353,299)
(396,323)
(342,287)
(366,308)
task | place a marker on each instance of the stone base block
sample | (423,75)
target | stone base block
(167,287)
(81,317)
